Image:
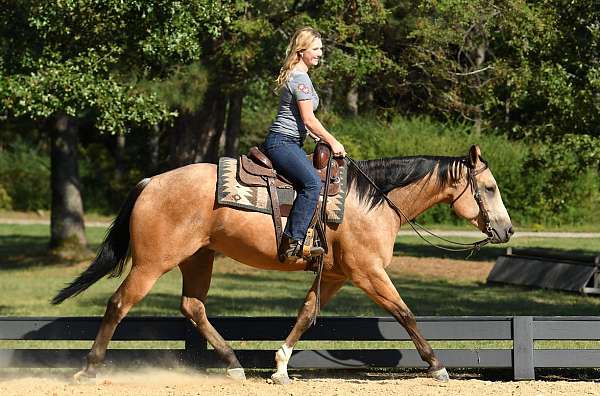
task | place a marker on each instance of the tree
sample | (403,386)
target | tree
(65,61)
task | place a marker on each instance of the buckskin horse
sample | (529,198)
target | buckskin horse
(172,220)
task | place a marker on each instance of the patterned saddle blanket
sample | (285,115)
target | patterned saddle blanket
(232,192)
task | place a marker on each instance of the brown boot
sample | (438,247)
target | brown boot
(290,248)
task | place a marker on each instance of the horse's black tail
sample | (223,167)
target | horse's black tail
(113,252)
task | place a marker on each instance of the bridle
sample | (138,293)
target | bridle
(472,182)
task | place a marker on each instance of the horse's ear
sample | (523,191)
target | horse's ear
(474,155)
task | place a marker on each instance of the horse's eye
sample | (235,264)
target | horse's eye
(490,188)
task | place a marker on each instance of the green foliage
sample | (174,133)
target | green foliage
(540,184)
(74,87)
(103,185)
(24,178)
(77,57)
(528,69)
(183,89)
(524,70)
(5,199)
(557,187)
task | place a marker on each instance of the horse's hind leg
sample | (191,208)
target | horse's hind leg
(137,284)
(378,286)
(306,315)
(197,272)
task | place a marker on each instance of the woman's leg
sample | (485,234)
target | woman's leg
(290,160)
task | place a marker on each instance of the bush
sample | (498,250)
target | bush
(540,183)
(25,177)
(5,199)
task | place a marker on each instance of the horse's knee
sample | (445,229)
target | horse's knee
(193,309)
(306,316)
(308,313)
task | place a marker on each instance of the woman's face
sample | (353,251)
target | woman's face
(313,53)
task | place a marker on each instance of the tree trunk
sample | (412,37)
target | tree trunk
(119,155)
(196,135)
(234,123)
(352,101)
(211,127)
(66,219)
(182,140)
(154,151)
(479,59)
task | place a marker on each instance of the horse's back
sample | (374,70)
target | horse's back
(176,215)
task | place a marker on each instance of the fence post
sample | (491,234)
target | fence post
(195,345)
(523,364)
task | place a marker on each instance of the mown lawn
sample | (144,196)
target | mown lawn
(29,279)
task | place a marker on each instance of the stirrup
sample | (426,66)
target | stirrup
(314,251)
(309,250)
(298,250)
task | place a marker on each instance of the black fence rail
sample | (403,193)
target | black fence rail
(523,331)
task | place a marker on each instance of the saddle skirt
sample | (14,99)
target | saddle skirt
(247,193)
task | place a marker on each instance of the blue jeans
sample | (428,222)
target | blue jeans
(289,160)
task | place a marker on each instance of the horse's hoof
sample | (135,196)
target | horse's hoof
(83,376)
(236,374)
(281,378)
(440,375)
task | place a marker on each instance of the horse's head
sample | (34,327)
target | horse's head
(477,199)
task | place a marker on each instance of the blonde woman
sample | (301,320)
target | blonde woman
(295,118)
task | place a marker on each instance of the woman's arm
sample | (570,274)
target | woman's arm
(316,128)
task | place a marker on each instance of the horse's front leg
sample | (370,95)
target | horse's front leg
(329,287)
(377,284)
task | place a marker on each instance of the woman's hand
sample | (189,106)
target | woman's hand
(338,149)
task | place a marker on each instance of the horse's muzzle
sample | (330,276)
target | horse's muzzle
(502,234)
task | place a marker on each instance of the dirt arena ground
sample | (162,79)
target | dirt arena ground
(180,382)
(170,383)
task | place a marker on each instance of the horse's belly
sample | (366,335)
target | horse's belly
(248,237)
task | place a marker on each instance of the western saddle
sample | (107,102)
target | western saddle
(256,169)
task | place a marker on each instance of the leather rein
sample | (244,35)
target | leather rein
(472,183)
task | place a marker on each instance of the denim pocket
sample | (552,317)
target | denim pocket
(275,140)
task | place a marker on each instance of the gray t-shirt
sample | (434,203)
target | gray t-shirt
(288,121)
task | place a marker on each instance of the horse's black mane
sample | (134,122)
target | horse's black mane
(389,173)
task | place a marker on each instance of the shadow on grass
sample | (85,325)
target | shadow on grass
(25,251)
(424,297)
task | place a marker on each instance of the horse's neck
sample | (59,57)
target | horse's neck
(418,197)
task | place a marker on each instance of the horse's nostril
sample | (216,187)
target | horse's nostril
(510,231)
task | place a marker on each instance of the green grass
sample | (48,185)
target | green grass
(29,279)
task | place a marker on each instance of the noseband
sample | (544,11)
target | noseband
(472,182)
